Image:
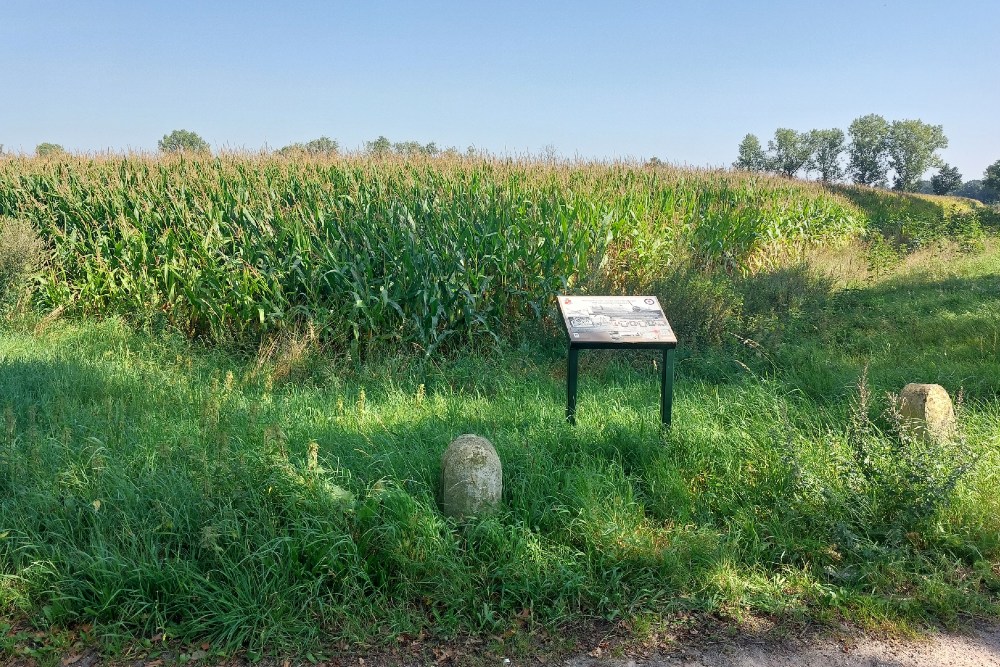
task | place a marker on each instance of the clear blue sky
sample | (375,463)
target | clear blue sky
(683,81)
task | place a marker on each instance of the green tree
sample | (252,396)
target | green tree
(789,151)
(183,141)
(46,149)
(415,149)
(380,147)
(975,189)
(913,147)
(947,180)
(323,146)
(867,153)
(751,155)
(991,177)
(825,149)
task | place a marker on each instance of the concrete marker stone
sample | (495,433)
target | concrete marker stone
(927,411)
(471,477)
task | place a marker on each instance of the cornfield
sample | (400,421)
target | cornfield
(423,254)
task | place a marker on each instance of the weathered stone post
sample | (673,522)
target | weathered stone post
(927,412)
(471,476)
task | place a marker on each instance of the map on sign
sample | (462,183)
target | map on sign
(615,319)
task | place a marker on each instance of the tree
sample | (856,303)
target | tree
(976,189)
(913,147)
(825,149)
(46,149)
(789,151)
(946,180)
(183,141)
(415,149)
(751,156)
(868,151)
(379,147)
(991,177)
(323,146)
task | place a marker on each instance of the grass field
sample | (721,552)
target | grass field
(226,389)
(285,501)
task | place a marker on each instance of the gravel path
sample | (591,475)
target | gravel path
(978,649)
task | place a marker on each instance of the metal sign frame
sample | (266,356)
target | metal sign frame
(623,323)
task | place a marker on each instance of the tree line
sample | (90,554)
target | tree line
(873,152)
(878,152)
(906,147)
(182,140)
(186,141)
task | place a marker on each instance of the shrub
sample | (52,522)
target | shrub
(881,254)
(700,306)
(771,297)
(908,477)
(21,255)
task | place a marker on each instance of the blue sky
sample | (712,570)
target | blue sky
(683,81)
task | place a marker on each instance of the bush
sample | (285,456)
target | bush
(771,299)
(907,477)
(701,306)
(881,254)
(21,255)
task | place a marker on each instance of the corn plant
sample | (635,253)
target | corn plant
(423,253)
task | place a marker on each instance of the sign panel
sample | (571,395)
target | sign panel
(615,319)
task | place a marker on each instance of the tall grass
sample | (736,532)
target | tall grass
(374,252)
(154,487)
(915,220)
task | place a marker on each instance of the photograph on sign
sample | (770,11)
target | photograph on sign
(615,319)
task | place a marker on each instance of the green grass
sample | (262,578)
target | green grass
(150,484)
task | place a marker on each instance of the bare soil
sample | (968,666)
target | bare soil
(978,648)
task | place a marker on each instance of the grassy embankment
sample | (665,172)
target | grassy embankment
(286,498)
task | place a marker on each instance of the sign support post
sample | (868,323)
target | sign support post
(666,386)
(572,366)
(609,322)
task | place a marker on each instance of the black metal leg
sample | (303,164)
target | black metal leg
(571,376)
(666,386)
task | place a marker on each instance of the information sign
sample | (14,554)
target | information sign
(616,319)
(617,322)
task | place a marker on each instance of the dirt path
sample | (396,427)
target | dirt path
(978,649)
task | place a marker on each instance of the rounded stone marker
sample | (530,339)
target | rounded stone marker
(926,411)
(471,476)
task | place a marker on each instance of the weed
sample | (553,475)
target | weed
(882,255)
(22,254)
